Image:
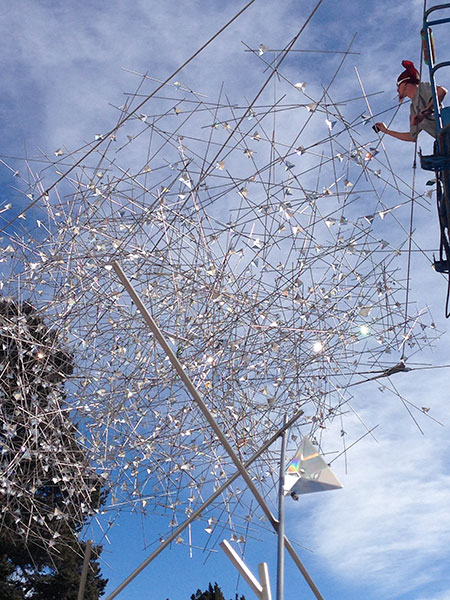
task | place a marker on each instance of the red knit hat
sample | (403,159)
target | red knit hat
(409,75)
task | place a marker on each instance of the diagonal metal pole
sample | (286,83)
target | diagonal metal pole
(197,397)
(203,507)
(242,569)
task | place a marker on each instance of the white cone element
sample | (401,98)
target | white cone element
(308,472)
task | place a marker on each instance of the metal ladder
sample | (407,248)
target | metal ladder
(439,162)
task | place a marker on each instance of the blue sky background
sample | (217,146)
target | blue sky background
(386,534)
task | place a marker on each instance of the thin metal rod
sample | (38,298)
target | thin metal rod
(196,396)
(84,572)
(306,51)
(202,508)
(369,108)
(280,554)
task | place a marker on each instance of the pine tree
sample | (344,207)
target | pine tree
(47,487)
(212,593)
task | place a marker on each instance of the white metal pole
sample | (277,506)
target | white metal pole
(280,554)
(265,582)
(242,568)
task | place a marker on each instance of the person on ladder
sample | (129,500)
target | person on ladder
(421,109)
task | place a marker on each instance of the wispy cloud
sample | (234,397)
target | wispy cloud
(388,530)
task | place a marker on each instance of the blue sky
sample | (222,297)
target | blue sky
(386,533)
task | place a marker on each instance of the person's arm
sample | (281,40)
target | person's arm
(405,136)
(441,93)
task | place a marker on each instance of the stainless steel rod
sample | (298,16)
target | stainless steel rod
(280,553)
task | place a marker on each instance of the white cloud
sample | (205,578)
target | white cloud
(389,528)
(445,595)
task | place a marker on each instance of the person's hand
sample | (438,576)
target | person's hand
(381,127)
(416,119)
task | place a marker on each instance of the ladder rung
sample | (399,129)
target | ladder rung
(441,64)
(438,22)
(434,162)
(437,7)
